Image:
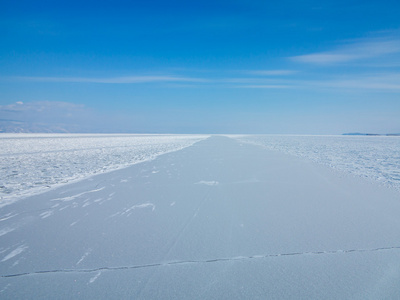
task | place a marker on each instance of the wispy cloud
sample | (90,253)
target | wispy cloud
(256,82)
(387,82)
(271,72)
(268,79)
(109,80)
(265,86)
(256,79)
(355,50)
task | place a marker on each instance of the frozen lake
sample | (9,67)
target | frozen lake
(219,219)
(32,163)
(373,157)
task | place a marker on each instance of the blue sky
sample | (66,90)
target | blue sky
(300,67)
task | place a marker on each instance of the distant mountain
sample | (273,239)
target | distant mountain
(372,134)
(16,126)
(13,126)
(354,133)
(47,117)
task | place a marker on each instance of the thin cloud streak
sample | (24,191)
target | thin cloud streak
(110,80)
(265,86)
(384,81)
(389,82)
(271,72)
(354,84)
(358,50)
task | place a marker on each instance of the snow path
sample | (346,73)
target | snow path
(215,220)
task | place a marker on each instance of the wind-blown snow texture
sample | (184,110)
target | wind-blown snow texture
(373,157)
(221,219)
(30,163)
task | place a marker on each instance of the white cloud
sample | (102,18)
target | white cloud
(110,80)
(356,50)
(265,86)
(323,58)
(388,82)
(271,72)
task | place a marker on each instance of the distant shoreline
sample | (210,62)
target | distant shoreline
(372,134)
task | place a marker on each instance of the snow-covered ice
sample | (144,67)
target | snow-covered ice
(221,219)
(373,157)
(208,182)
(31,163)
(93,279)
(14,252)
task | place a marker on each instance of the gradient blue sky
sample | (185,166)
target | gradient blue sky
(301,67)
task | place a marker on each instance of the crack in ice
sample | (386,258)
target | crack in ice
(182,262)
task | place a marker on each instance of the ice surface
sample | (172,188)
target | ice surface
(14,252)
(217,220)
(374,157)
(31,163)
(208,182)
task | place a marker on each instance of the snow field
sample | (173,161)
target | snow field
(31,163)
(372,157)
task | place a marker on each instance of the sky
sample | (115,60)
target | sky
(262,67)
